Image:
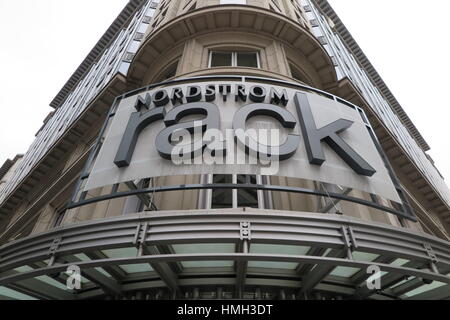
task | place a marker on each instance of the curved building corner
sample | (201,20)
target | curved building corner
(225,149)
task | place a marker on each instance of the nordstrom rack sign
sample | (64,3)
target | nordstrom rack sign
(240,128)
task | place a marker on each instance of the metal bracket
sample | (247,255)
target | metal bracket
(432,255)
(246,232)
(349,240)
(140,235)
(53,250)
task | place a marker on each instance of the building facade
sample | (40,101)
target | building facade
(108,193)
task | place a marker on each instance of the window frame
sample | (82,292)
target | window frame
(234,59)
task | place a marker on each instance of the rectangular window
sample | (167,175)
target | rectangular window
(247,59)
(147,20)
(247,197)
(234,59)
(128,57)
(60,214)
(221,59)
(170,72)
(139,36)
(335,62)
(296,74)
(322,40)
(226,198)
(222,198)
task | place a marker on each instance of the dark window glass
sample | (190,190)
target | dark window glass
(222,198)
(221,59)
(169,72)
(247,197)
(247,59)
(59,218)
(296,74)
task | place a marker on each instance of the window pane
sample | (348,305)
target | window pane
(296,74)
(205,248)
(222,198)
(345,272)
(273,265)
(126,253)
(276,249)
(247,198)
(207,264)
(136,268)
(220,59)
(14,294)
(425,288)
(247,59)
(170,72)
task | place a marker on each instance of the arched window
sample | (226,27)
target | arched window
(169,72)
(298,75)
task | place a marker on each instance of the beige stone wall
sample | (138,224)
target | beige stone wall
(193,58)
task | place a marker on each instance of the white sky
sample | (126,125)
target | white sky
(44,41)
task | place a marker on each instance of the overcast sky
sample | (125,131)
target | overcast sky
(44,41)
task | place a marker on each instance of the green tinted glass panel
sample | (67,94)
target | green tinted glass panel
(221,59)
(345,272)
(136,268)
(6,292)
(207,264)
(348,272)
(398,263)
(247,59)
(273,265)
(278,249)
(401,282)
(52,282)
(363,256)
(121,253)
(204,248)
(128,253)
(85,258)
(23,269)
(425,288)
